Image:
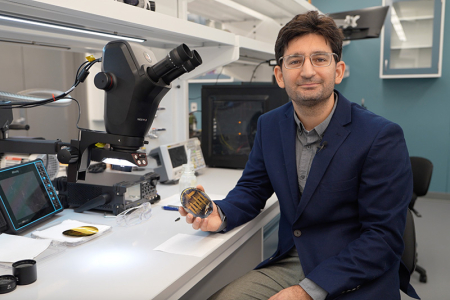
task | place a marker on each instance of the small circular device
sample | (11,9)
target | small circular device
(8,284)
(25,271)
(196,202)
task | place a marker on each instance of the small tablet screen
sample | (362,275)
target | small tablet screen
(27,194)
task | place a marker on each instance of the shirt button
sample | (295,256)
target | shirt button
(297,233)
(308,147)
(302,177)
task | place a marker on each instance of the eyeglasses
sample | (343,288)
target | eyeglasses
(134,215)
(296,61)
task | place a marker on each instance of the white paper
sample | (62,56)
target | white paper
(187,244)
(55,232)
(14,248)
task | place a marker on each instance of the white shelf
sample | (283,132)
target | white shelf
(253,50)
(416,18)
(414,10)
(412,47)
(159,30)
(278,9)
(218,47)
(274,9)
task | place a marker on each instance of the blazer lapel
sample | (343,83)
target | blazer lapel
(334,135)
(288,130)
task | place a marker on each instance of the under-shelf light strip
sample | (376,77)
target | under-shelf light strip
(49,25)
(33,43)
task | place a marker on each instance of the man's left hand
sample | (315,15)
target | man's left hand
(294,292)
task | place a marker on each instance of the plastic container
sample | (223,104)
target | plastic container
(188,178)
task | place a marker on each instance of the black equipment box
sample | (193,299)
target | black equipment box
(111,198)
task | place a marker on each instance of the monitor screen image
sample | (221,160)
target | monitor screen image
(229,120)
(25,196)
(178,156)
(235,123)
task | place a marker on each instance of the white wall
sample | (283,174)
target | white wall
(29,67)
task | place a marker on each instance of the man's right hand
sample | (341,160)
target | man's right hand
(211,223)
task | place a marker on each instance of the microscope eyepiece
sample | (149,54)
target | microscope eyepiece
(188,66)
(180,54)
(173,60)
(195,61)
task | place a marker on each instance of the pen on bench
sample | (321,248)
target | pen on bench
(170,207)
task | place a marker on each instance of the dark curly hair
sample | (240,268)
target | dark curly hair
(310,22)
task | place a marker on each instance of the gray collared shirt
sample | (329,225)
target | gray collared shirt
(307,145)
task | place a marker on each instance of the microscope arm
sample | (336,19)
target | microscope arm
(84,150)
(18,145)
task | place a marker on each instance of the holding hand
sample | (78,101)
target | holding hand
(211,223)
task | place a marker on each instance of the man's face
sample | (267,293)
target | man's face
(309,86)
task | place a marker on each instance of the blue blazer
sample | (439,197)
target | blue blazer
(350,219)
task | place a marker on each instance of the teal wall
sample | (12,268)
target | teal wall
(420,106)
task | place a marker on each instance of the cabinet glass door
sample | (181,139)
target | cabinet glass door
(412,38)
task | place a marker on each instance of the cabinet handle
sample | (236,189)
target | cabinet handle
(385,64)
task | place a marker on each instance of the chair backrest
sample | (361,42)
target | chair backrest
(409,256)
(422,170)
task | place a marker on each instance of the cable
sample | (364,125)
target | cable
(254,70)
(217,79)
(78,120)
(82,73)
(79,112)
(79,68)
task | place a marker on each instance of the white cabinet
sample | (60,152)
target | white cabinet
(412,39)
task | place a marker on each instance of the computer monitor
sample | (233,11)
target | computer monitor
(361,23)
(229,120)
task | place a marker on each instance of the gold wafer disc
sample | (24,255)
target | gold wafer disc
(81,231)
(196,202)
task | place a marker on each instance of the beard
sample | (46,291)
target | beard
(313,97)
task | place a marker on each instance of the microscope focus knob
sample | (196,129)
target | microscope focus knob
(103,81)
(68,155)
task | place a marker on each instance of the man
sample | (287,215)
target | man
(342,177)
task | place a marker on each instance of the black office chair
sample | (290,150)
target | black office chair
(409,257)
(422,170)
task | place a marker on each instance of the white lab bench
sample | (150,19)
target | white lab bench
(123,265)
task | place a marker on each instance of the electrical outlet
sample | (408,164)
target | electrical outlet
(193,106)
